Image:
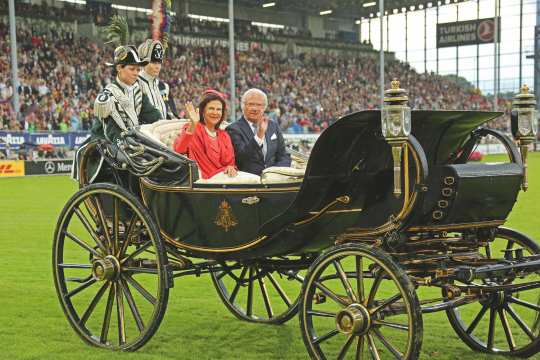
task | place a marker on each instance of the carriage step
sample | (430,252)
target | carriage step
(467,274)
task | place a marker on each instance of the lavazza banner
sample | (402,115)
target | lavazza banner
(47,167)
(481,31)
(16,140)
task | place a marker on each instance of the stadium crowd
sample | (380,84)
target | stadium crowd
(61,74)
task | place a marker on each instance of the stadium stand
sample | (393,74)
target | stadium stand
(60,75)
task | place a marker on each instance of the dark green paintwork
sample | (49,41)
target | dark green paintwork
(350,158)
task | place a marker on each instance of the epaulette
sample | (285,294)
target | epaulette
(104,104)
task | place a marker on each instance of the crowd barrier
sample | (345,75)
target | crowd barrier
(13,168)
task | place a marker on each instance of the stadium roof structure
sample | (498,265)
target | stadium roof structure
(348,8)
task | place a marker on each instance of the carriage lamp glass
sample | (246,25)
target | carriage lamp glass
(396,121)
(526,119)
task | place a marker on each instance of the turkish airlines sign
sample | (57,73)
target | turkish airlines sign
(481,31)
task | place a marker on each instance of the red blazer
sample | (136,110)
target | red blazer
(195,146)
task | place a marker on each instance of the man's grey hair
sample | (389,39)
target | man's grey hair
(250,92)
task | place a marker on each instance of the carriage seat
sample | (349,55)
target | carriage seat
(165,132)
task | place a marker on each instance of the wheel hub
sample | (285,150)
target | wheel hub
(354,319)
(107,268)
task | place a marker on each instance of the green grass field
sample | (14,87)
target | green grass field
(196,324)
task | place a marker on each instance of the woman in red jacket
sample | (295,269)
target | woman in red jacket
(203,141)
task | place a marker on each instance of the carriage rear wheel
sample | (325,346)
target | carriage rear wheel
(504,322)
(110,268)
(263,291)
(357,303)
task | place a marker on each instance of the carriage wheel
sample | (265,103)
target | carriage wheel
(259,293)
(357,303)
(110,268)
(504,322)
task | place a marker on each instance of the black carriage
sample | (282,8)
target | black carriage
(385,209)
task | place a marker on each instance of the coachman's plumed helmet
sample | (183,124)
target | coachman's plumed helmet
(127,55)
(152,51)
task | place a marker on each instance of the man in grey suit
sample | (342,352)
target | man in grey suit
(258,142)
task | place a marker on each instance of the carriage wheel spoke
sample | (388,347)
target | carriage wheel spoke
(127,235)
(139,251)
(265,295)
(103,222)
(391,325)
(520,322)
(330,294)
(221,275)
(360,348)
(386,303)
(121,316)
(132,305)
(89,229)
(321,313)
(107,316)
(93,303)
(360,279)
(374,289)
(397,354)
(280,291)
(373,348)
(250,292)
(75,266)
(344,281)
(477,319)
(325,337)
(507,330)
(140,289)
(491,330)
(524,303)
(488,250)
(345,347)
(238,284)
(82,244)
(509,245)
(80,288)
(116,215)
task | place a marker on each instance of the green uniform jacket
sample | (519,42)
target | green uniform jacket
(116,110)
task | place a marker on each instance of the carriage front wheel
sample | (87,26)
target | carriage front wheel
(357,303)
(110,268)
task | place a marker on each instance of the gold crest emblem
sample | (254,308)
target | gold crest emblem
(225,218)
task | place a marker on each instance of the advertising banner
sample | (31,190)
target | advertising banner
(472,32)
(9,168)
(47,167)
(15,140)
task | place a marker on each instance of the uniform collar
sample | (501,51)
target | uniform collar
(125,87)
(146,76)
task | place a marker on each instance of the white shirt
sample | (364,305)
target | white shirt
(261,142)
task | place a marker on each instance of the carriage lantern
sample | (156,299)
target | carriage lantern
(524,125)
(396,127)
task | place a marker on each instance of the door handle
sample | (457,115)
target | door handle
(251,200)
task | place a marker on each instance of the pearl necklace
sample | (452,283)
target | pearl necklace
(210,132)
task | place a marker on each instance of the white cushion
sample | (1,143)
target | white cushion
(282,174)
(166,131)
(240,178)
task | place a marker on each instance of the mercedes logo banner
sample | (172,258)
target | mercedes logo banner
(481,31)
(47,167)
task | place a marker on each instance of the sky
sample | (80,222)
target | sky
(509,46)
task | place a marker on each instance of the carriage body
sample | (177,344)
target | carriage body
(343,213)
